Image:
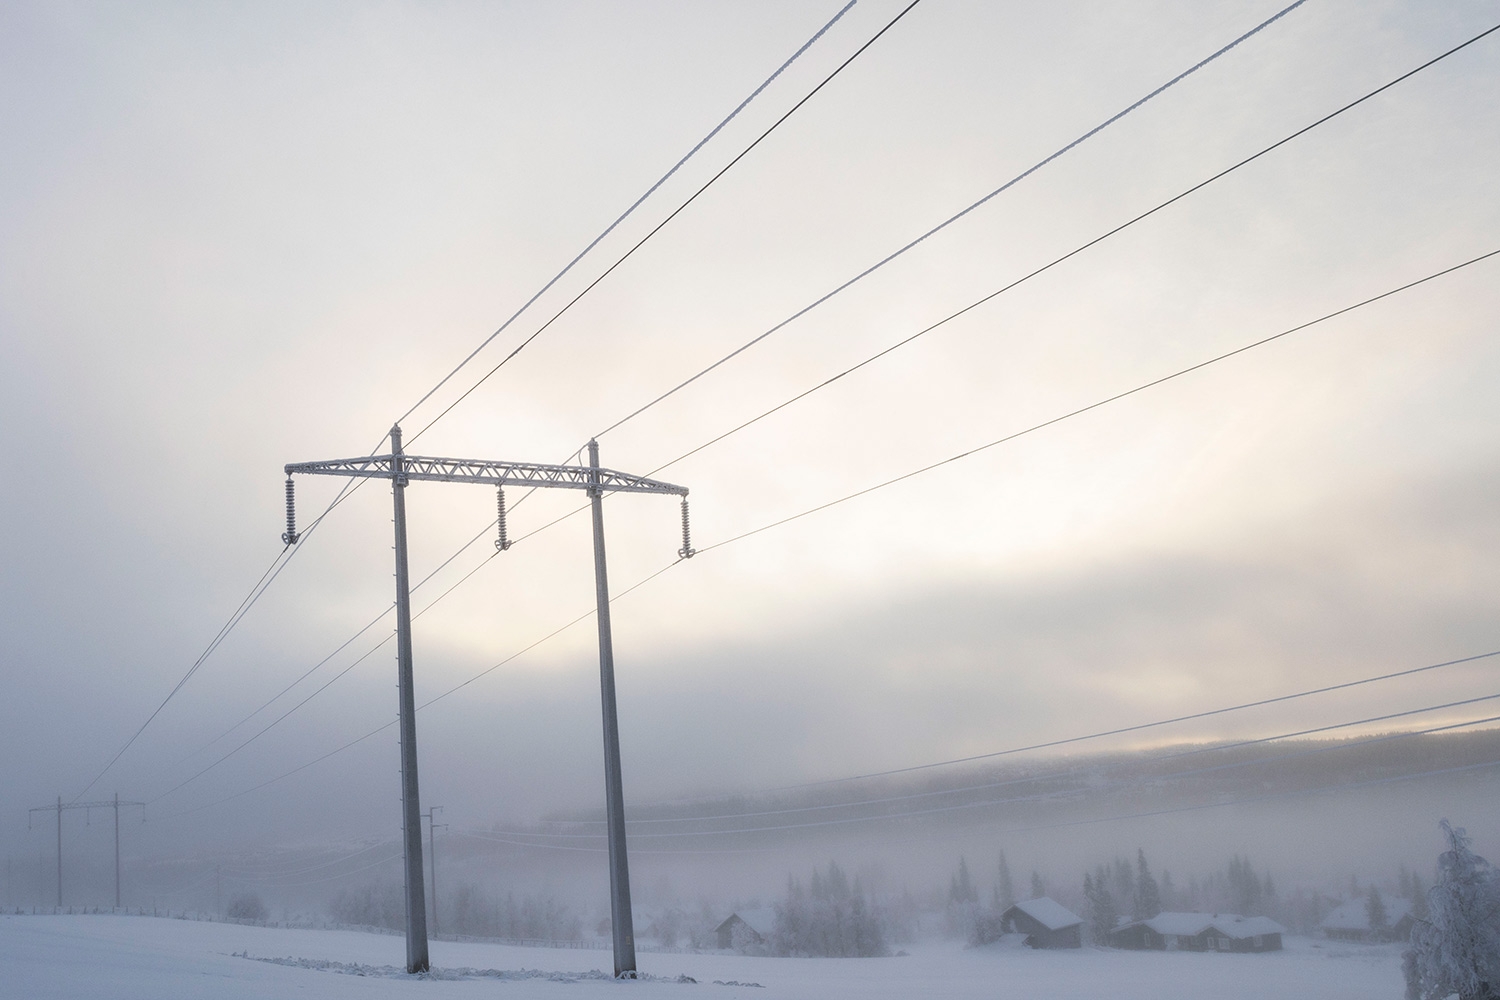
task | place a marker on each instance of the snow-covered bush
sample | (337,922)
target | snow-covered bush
(247,906)
(371,906)
(1457,948)
(478,914)
(832,918)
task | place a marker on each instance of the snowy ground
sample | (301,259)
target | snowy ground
(146,958)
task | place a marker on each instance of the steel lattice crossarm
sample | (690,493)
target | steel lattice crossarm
(474,470)
(105,804)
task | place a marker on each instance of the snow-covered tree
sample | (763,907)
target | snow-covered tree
(1038,887)
(249,907)
(833,919)
(1005,890)
(1380,921)
(1102,913)
(1147,893)
(1457,948)
(963,902)
(961,889)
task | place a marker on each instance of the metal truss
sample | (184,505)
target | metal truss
(474,470)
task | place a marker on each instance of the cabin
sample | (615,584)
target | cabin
(1351,921)
(743,927)
(1045,922)
(1199,932)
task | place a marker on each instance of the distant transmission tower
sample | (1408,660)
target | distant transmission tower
(60,808)
(432,827)
(401,469)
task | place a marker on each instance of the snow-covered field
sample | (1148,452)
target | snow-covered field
(146,958)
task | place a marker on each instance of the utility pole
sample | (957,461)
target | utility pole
(60,808)
(621,920)
(401,469)
(430,815)
(218,895)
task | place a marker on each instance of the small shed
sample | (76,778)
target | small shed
(1234,933)
(1199,932)
(752,926)
(1351,921)
(1045,922)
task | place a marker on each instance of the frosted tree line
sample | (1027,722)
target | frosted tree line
(832,916)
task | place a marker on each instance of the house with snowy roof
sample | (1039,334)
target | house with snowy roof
(1199,932)
(1045,922)
(752,926)
(1351,921)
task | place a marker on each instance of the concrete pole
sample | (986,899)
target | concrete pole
(411,807)
(431,814)
(59,852)
(117,850)
(621,923)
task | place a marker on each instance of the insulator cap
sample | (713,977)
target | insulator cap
(290,536)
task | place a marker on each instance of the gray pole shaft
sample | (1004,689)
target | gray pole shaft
(411,808)
(117,850)
(432,850)
(59,852)
(619,869)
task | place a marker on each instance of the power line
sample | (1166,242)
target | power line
(345,644)
(1292,793)
(1037,797)
(285,556)
(609,229)
(1044,776)
(858,277)
(959,215)
(318,881)
(1103,402)
(498,839)
(252,873)
(1071,253)
(329,683)
(277,564)
(973,451)
(349,488)
(453,690)
(1032,274)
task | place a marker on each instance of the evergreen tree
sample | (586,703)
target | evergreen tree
(1244,887)
(1102,914)
(963,903)
(1038,887)
(1124,882)
(1380,922)
(1005,890)
(962,890)
(1147,894)
(1457,949)
(1168,891)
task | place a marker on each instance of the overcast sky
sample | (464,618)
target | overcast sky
(234,236)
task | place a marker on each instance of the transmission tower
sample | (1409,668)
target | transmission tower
(60,808)
(432,827)
(401,469)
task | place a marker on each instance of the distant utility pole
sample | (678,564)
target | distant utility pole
(59,808)
(401,469)
(430,815)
